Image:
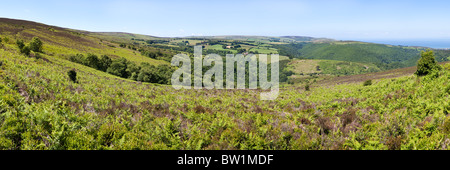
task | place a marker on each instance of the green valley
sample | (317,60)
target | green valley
(69,96)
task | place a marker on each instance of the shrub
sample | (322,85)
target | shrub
(307,87)
(72,75)
(92,61)
(20,44)
(426,63)
(25,50)
(325,125)
(36,44)
(78,58)
(199,109)
(367,83)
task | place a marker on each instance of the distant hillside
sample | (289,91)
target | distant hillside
(384,56)
(121,36)
(267,39)
(305,38)
(62,42)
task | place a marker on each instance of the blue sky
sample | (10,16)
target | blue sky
(338,19)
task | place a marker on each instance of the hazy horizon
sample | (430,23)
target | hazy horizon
(342,20)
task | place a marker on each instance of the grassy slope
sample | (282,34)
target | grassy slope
(42,109)
(62,42)
(331,67)
(384,56)
(120,37)
(360,52)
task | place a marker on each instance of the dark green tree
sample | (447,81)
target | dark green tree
(426,63)
(23,48)
(20,44)
(105,63)
(92,61)
(367,83)
(307,87)
(147,73)
(133,70)
(164,74)
(119,68)
(72,75)
(36,44)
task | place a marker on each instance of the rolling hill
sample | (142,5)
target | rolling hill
(43,108)
(62,42)
(384,56)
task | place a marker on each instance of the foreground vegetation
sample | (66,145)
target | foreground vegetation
(63,96)
(41,108)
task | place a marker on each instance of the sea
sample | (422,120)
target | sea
(431,43)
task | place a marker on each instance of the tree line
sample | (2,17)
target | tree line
(121,67)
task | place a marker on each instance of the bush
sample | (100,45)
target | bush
(25,50)
(36,44)
(367,83)
(307,87)
(72,75)
(78,58)
(426,63)
(394,143)
(20,44)
(92,61)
